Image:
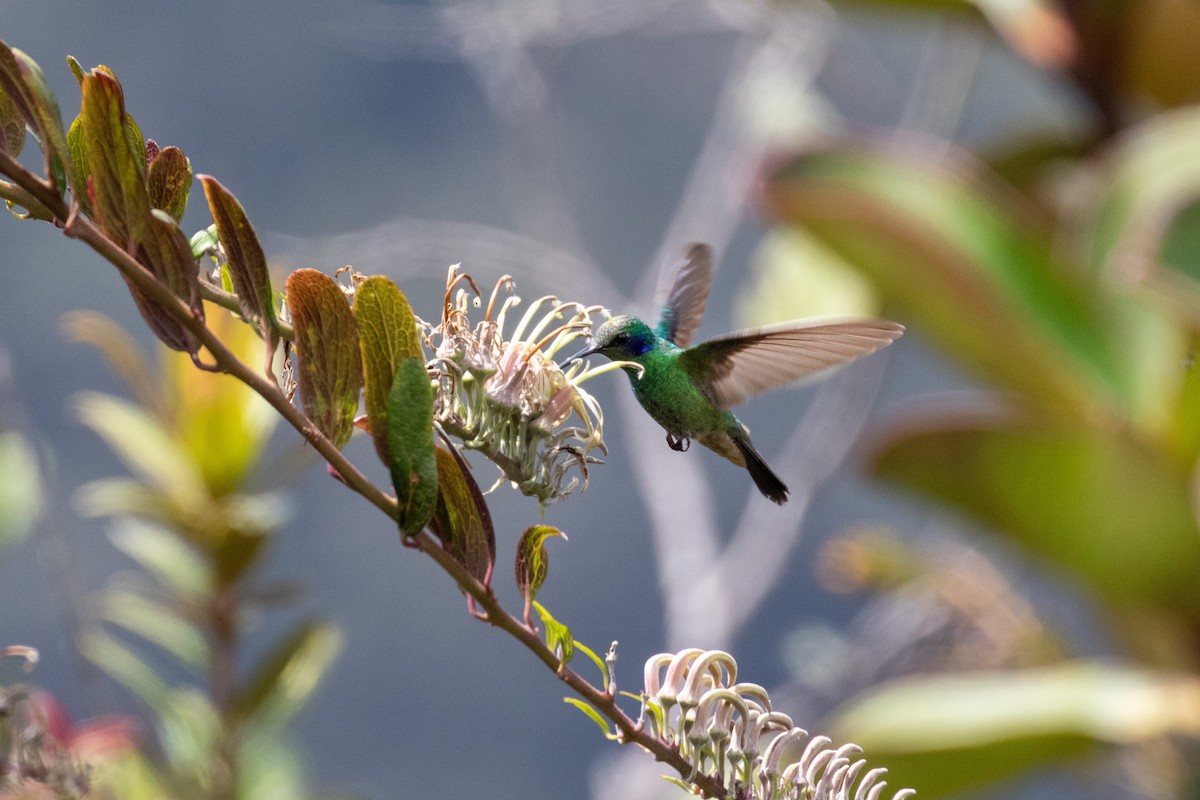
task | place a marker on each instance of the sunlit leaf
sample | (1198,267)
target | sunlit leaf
(290,673)
(1109,509)
(115,163)
(166,556)
(946,245)
(204,241)
(388,335)
(223,423)
(558,636)
(188,730)
(1143,183)
(796,276)
(123,354)
(532,562)
(156,623)
(145,447)
(329,363)
(948,734)
(169,180)
(126,668)
(270,769)
(20,489)
(463,521)
(597,660)
(125,773)
(593,714)
(126,497)
(246,262)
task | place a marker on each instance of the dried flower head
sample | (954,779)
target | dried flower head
(691,701)
(502,394)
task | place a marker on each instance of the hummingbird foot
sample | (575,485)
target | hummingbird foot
(678,443)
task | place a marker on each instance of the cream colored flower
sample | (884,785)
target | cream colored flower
(501,392)
(692,701)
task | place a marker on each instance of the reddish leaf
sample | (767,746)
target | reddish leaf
(462,520)
(169,180)
(329,365)
(246,262)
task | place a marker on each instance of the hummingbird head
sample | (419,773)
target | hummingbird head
(621,338)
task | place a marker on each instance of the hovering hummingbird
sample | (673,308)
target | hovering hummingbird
(689,390)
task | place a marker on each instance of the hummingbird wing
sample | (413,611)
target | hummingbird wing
(732,368)
(683,304)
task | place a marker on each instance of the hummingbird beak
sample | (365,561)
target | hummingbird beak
(582,354)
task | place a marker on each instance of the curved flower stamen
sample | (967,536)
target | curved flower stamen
(504,395)
(727,731)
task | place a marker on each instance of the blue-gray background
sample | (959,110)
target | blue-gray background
(321,127)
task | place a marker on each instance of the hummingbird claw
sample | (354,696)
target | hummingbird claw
(679,444)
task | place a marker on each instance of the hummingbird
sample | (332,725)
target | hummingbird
(690,389)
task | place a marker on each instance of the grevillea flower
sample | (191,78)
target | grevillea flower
(725,729)
(501,392)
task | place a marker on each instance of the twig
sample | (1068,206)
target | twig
(80,227)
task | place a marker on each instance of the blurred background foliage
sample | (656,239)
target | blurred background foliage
(175,630)
(1057,264)
(1062,273)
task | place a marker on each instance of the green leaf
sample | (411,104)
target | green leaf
(124,356)
(164,250)
(289,674)
(125,497)
(223,423)
(1108,508)
(796,276)
(20,489)
(22,80)
(945,735)
(945,243)
(169,180)
(329,363)
(167,557)
(532,562)
(387,332)
(12,126)
(462,520)
(558,636)
(77,152)
(189,730)
(126,668)
(246,262)
(203,242)
(597,660)
(411,457)
(157,623)
(115,162)
(592,713)
(144,445)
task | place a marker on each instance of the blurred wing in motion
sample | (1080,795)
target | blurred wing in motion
(683,306)
(737,366)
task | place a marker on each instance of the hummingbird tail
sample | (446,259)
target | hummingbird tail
(767,481)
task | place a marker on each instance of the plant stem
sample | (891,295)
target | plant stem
(80,227)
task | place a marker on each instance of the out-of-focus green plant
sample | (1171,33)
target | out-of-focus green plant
(200,540)
(491,385)
(1066,277)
